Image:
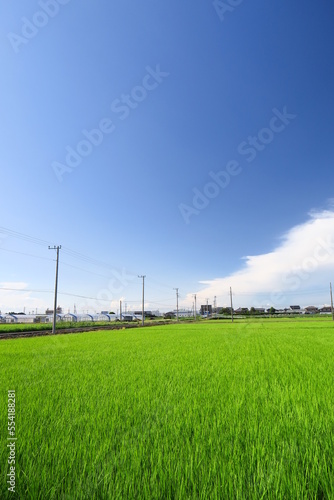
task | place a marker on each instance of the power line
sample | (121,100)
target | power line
(83,296)
(52,291)
(85,258)
(161,303)
(49,259)
(65,250)
(26,254)
(25,290)
(284,292)
(22,236)
(85,270)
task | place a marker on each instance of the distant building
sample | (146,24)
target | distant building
(127,317)
(169,315)
(241,310)
(206,310)
(24,318)
(49,318)
(146,313)
(325,310)
(311,310)
(184,313)
(226,310)
(258,310)
(50,311)
(77,317)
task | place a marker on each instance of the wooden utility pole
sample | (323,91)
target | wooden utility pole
(177,304)
(231,304)
(195,306)
(143,300)
(56,290)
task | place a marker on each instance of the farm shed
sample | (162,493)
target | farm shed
(20,318)
(127,317)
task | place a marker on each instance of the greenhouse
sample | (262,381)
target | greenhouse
(20,318)
(77,317)
(49,318)
(89,317)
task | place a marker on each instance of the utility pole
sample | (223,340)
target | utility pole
(56,289)
(207,308)
(215,305)
(195,307)
(120,310)
(332,301)
(231,304)
(143,295)
(177,304)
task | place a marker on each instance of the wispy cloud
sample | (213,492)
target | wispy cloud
(15,297)
(298,269)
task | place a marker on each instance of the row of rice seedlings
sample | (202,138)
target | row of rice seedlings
(192,411)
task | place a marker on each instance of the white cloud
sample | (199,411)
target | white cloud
(13,285)
(13,297)
(297,271)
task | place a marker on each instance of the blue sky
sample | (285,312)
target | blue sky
(195,91)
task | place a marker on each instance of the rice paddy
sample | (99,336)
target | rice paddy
(207,410)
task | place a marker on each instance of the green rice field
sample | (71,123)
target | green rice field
(26,327)
(189,411)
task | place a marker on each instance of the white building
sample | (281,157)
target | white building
(184,313)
